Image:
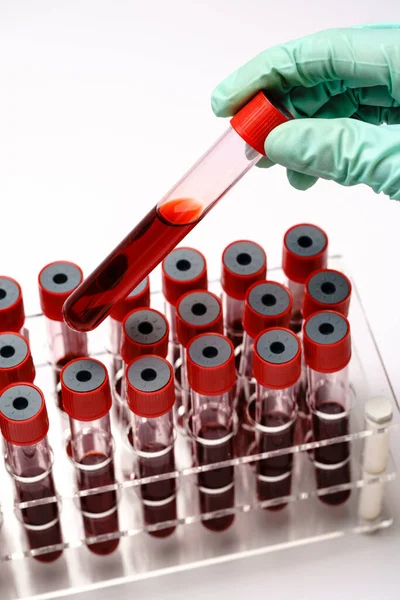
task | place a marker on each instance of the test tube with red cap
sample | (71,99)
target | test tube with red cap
(268,304)
(16,362)
(86,396)
(183,270)
(144,331)
(223,165)
(24,424)
(327,353)
(327,289)
(243,264)
(139,297)
(56,282)
(12,312)
(151,395)
(196,312)
(277,369)
(212,377)
(305,250)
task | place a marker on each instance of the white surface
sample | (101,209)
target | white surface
(103,105)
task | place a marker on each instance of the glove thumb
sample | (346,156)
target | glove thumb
(347,151)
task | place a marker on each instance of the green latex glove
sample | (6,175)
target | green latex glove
(348,81)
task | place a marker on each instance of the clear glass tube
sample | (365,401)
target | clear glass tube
(276,412)
(246,399)
(115,335)
(212,427)
(298,291)
(65,345)
(153,441)
(92,454)
(329,398)
(31,468)
(233,316)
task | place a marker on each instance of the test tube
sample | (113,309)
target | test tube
(16,362)
(12,312)
(243,264)
(327,353)
(24,424)
(86,396)
(223,165)
(56,282)
(327,289)
(212,377)
(268,304)
(196,312)
(183,270)
(138,298)
(151,395)
(277,368)
(305,250)
(144,331)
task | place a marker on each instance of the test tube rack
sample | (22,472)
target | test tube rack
(305,518)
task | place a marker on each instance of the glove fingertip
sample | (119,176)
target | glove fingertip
(300,181)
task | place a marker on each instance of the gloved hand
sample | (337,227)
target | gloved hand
(348,81)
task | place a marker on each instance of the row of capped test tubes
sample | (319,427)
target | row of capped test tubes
(273,385)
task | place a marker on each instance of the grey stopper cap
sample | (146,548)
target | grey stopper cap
(199,308)
(244,258)
(210,351)
(277,347)
(305,240)
(326,328)
(145,326)
(184,264)
(60,277)
(84,375)
(269,299)
(139,288)
(149,374)
(20,402)
(13,350)
(9,292)
(328,287)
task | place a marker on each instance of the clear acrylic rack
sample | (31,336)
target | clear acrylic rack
(305,518)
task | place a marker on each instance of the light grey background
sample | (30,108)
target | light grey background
(103,105)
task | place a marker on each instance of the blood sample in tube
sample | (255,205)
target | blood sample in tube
(223,165)
(24,424)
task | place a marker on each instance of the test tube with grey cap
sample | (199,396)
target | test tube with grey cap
(12,312)
(305,250)
(243,263)
(24,424)
(57,281)
(16,364)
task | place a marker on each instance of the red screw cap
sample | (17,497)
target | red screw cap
(198,312)
(183,270)
(85,389)
(255,121)
(138,298)
(23,414)
(211,364)
(268,304)
(243,264)
(327,289)
(277,358)
(16,364)
(144,331)
(12,313)
(150,386)
(305,250)
(56,282)
(327,342)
